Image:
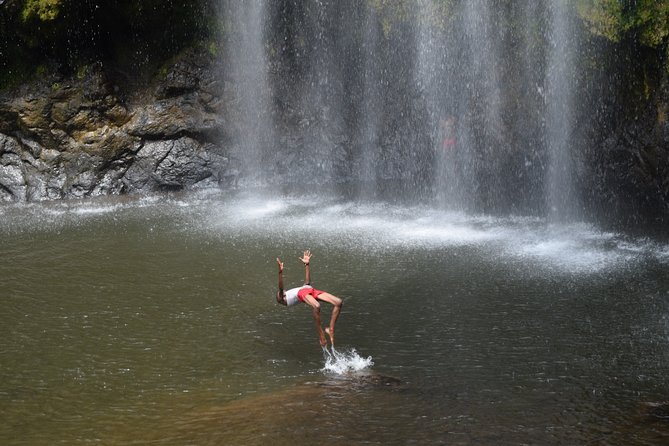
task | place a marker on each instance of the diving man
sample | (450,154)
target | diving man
(312,297)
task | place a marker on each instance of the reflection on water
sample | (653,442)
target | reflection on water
(152,321)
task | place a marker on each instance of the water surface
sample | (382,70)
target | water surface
(152,321)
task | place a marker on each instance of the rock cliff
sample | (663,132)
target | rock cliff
(91,135)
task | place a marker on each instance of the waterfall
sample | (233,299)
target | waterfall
(468,104)
(458,73)
(366,157)
(500,98)
(560,81)
(428,76)
(252,128)
(321,100)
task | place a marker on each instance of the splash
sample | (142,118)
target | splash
(344,362)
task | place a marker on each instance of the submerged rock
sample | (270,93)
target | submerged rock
(305,413)
(656,411)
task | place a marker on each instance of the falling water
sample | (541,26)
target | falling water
(252,133)
(428,78)
(367,137)
(501,99)
(322,96)
(459,65)
(456,100)
(559,91)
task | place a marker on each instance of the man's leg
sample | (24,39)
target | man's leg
(316,311)
(336,309)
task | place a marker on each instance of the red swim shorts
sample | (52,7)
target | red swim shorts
(306,291)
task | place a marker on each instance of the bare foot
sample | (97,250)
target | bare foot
(324,343)
(331,334)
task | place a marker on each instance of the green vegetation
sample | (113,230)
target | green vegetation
(392,11)
(645,20)
(129,35)
(638,32)
(45,10)
(138,36)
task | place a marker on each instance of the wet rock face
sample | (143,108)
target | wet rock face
(80,137)
(174,164)
(626,177)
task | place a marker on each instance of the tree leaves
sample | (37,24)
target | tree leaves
(645,20)
(44,10)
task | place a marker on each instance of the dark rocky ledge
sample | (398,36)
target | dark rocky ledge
(88,135)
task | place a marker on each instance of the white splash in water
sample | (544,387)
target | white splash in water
(262,209)
(341,363)
(563,248)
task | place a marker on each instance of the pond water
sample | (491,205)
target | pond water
(153,321)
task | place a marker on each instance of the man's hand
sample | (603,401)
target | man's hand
(280,263)
(306,257)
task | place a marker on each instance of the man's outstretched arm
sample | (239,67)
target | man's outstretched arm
(280,295)
(306,258)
